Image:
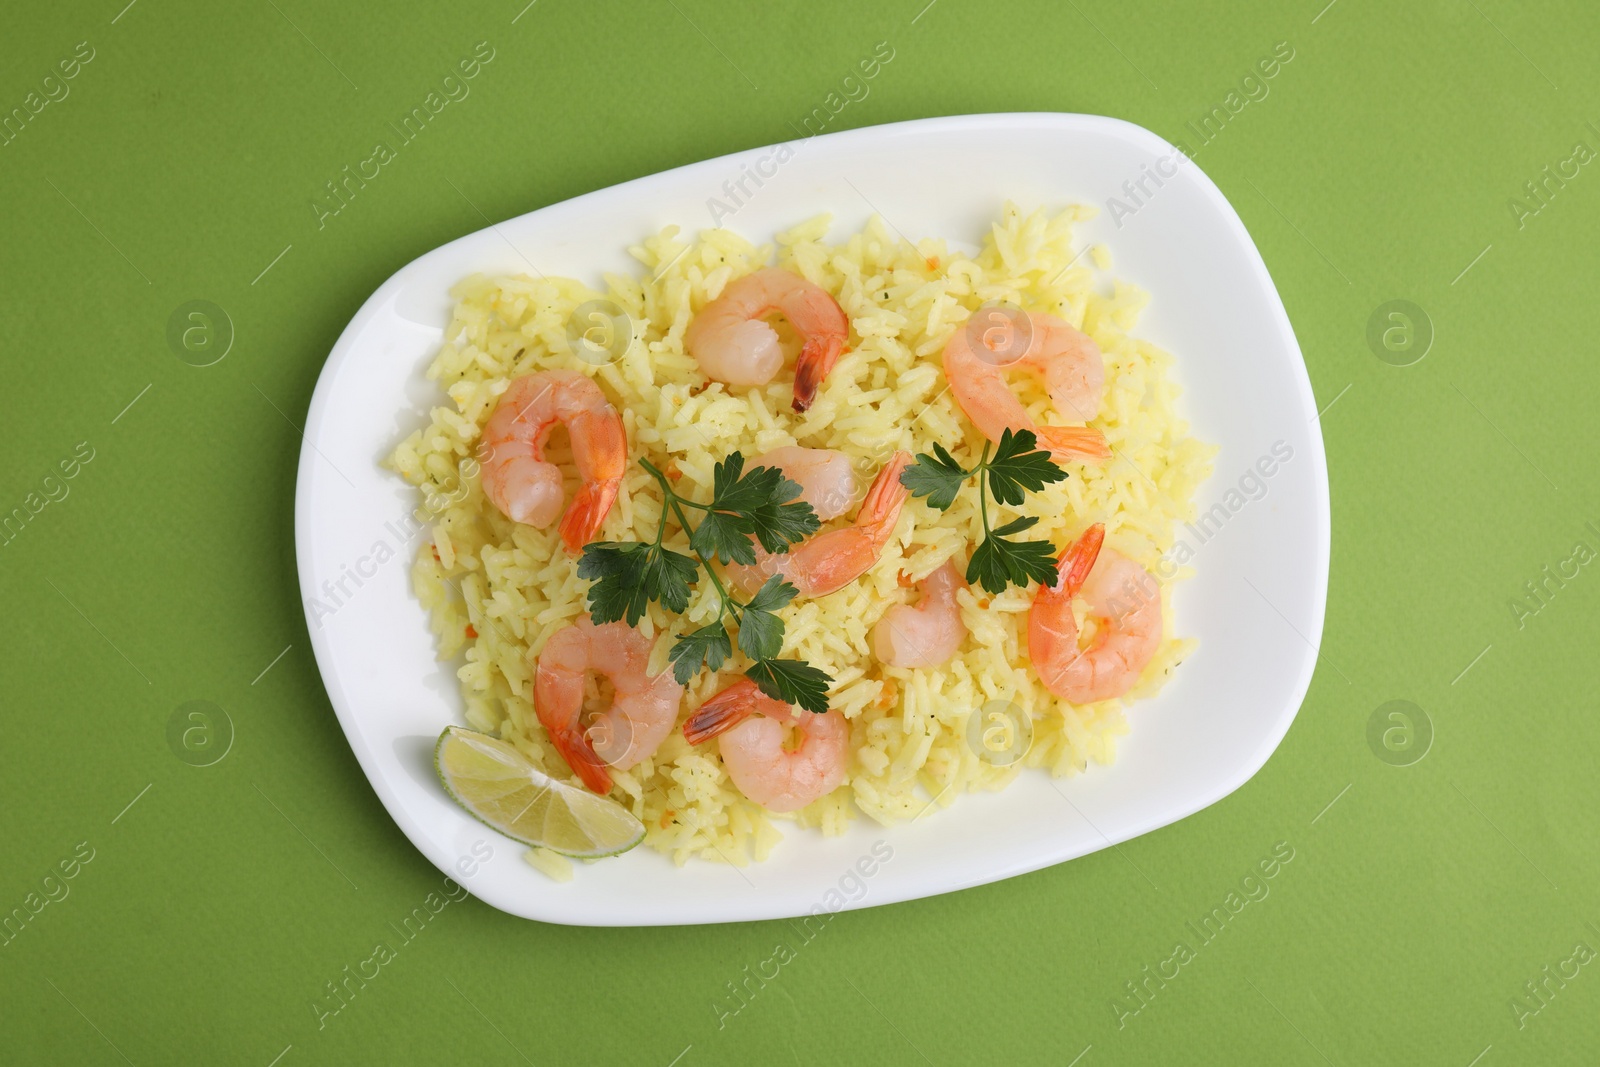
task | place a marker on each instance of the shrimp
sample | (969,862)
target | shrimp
(827,482)
(1125,602)
(642,710)
(832,560)
(1074,375)
(752,727)
(516,478)
(733,345)
(926,635)
(826,477)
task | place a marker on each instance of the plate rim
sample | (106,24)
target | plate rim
(369,759)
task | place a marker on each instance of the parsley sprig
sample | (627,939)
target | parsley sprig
(1016,468)
(746,508)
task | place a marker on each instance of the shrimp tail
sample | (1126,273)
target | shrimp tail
(582,758)
(880,508)
(816,359)
(721,713)
(1070,443)
(587,512)
(1078,561)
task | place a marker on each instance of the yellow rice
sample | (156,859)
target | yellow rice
(514,585)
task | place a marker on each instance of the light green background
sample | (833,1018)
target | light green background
(217,906)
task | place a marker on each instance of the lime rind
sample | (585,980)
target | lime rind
(500,788)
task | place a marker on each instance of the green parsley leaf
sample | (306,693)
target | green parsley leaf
(793,682)
(628,575)
(747,506)
(602,559)
(768,500)
(937,477)
(775,592)
(1016,525)
(1018,466)
(614,568)
(760,503)
(778,525)
(709,645)
(724,536)
(760,631)
(733,490)
(998,562)
(760,634)
(667,575)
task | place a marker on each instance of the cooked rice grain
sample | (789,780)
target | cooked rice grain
(514,585)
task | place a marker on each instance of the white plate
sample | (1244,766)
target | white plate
(1256,604)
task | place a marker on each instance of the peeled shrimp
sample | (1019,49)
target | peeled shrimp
(827,481)
(928,634)
(833,559)
(516,478)
(642,710)
(752,727)
(1125,602)
(1074,375)
(826,477)
(733,345)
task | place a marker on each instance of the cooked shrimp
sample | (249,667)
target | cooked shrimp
(833,559)
(826,477)
(1074,375)
(516,478)
(926,635)
(753,729)
(733,345)
(643,707)
(827,482)
(1125,603)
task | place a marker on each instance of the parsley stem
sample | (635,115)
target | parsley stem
(655,473)
(728,603)
(983,496)
(666,487)
(666,502)
(675,502)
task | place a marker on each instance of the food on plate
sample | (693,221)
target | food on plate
(1121,601)
(643,707)
(927,633)
(816,525)
(517,478)
(1067,360)
(756,748)
(733,344)
(826,477)
(504,789)
(829,561)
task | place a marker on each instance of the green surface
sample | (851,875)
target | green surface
(215,909)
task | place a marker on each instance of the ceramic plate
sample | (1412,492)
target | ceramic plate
(1260,554)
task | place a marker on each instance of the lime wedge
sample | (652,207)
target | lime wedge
(498,785)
